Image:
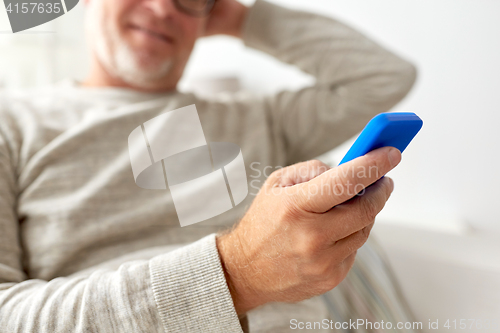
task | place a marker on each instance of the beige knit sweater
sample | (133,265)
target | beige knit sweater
(84,249)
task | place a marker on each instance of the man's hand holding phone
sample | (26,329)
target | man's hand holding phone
(300,235)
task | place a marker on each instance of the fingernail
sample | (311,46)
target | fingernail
(394,157)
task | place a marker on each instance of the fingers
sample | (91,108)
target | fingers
(340,184)
(338,271)
(348,246)
(363,208)
(357,213)
(348,263)
(324,230)
(299,173)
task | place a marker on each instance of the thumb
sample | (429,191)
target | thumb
(340,184)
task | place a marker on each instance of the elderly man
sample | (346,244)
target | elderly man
(83,249)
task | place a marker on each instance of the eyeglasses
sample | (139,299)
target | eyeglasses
(195,7)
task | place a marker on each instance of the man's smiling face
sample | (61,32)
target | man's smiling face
(145,43)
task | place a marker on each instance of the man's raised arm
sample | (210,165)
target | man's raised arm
(355,77)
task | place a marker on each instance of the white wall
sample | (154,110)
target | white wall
(448,178)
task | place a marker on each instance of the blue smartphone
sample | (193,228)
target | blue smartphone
(395,129)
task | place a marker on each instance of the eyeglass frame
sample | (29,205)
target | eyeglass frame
(206,12)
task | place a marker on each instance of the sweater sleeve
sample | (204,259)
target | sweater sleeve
(179,291)
(355,78)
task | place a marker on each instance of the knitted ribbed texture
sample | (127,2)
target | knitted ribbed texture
(191,291)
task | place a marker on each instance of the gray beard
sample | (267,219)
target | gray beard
(116,56)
